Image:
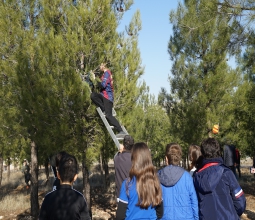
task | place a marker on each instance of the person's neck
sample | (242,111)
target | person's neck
(66,183)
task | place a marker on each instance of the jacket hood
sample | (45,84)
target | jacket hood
(206,180)
(170,175)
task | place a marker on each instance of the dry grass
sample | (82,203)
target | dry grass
(12,199)
(14,203)
(15,199)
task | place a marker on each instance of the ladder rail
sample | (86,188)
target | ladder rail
(108,127)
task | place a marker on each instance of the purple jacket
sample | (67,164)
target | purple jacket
(107,85)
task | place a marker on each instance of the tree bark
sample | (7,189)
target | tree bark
(101,164)
(47,172)
(86,185)
(106,173)
(1,168)
(34,181)
(8,169)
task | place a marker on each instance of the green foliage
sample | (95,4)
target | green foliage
(150,124)
(45,48)
(202,83)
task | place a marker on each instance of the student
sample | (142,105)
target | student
(105,99)
(140,194)
(65,203)
(179,195)
(219,194)
(194,154)
(122,163)
(54,164)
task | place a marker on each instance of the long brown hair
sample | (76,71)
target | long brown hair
(194,154)
(147,182)
(173,154)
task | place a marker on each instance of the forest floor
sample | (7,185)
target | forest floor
(15,198)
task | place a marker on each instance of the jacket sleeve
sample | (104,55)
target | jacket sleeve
(43,212)
(123,202)
(84,213)
(193,197)
(105,80)
(121,211)
(160,210)
(237,194)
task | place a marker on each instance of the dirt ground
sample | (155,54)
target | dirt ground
(103,197)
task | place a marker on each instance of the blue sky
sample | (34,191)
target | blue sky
(153,40)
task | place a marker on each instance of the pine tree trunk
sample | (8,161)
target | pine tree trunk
(34,181)
(47,172)
(86,185)
(8,169)
(106,173)
(1,168)
(101,164)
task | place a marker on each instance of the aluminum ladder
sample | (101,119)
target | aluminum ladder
(109,128)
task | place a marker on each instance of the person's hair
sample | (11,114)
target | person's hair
(173,153)
(194,154)
(58,157)
(147,182)
(104,65)
(210,148)
(128,142)
(68,168)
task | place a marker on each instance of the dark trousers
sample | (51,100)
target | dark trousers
(106,106)
(27,178)
(238,169)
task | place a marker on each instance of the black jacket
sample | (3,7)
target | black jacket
(65,203)
(122,164)
(229,155)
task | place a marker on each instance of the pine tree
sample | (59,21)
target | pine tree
(52,45)
(202,85)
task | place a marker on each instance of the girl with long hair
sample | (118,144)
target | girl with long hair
(140,195)
(194,155)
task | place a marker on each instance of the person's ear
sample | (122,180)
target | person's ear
(166,160)
(75,177)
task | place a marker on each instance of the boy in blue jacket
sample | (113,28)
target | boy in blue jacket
(219,194)
(179,195)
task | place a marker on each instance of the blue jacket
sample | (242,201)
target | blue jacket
(220,197)
(179,195)
(129,196)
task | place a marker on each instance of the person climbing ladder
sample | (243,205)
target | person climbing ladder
(105,99)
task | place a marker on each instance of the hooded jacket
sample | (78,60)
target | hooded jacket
(220,197)
(179,195)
